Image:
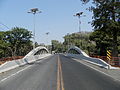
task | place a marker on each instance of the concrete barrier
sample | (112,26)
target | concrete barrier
(83,56)
(95,61)
(16,63)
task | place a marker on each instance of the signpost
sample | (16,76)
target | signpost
(109,56)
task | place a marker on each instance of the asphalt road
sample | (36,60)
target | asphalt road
(59,72)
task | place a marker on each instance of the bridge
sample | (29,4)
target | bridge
(39,70)
(36,54)
(79,54)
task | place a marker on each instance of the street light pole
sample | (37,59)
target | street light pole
(79,24)
(79,21)
(34,11)
(47,39)
(68,41)
(79,15)
(33,31)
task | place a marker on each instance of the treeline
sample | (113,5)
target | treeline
(80,40)
(15,42)
(93,43)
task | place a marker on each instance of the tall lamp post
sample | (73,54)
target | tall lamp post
(47,38)
(34,11)
(79,15)
(68,41)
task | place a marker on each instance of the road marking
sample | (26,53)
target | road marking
(96,70)
(58,77)
(17,72)
(60,83)
(14,74)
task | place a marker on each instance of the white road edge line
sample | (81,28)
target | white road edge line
(97,70)
(17,72)
(14,74)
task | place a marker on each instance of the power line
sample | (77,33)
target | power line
(4,25)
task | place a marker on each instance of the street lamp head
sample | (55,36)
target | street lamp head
(28,12)
(34,11)
(40,12)
(85,1)
(89,22)
(78,14)
(47,33)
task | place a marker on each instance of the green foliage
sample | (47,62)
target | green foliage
(80,40)
(103,42)
(106,19)
(57,46)
(15,42)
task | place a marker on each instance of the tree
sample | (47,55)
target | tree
(80,40)
(103,42)
(2,44)
(106,18)
(16,41)
(57,46)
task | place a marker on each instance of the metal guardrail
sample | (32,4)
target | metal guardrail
(115,61)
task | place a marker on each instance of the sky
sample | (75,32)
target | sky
(56,17)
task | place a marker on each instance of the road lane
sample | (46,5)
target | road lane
(80,77)
(59,72)
(60,83)
(40,76)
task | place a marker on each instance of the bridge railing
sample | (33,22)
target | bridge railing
(4,59)
(115,61)
(11,58)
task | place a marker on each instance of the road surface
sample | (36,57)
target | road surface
(58,72)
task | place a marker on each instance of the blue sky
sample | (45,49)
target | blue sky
(56,17)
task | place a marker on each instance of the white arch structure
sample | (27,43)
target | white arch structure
(34,51)
(36,54)
(79,54)
(77,50)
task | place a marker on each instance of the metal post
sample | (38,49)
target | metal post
(68,40)
(47,39)
(79,17)
(34,31)
(34,11)
(79,24)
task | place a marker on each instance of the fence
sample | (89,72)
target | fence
(115,61)
(3,60)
